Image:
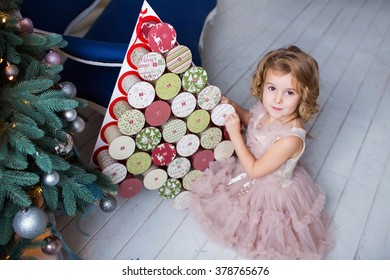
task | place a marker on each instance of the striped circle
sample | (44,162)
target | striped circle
(179,59)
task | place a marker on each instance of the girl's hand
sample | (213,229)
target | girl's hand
(233,124)
(225,100)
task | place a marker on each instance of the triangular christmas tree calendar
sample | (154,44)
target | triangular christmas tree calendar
(164,123)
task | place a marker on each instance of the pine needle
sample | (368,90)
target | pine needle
(17,195)
(20,178)
(33,86)
(20,142)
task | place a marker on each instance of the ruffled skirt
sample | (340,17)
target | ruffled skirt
(267,221)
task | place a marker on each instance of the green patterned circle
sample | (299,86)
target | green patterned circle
(194,79)
(170,188)
(148,138)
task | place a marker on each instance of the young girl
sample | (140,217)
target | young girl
(261,202)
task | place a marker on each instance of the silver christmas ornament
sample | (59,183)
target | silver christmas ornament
(52,58)
(108,204)
(51,179)
(30,222)
(69,115)
(11,71)
(69,88)
(65,148)
(77,126)
(52,245)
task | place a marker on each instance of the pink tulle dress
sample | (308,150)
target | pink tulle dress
(278,216)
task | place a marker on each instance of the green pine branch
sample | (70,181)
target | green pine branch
(51,71)
(20,142)
(32,132)
(21,178)
(69,200)
(34,40)
(104,183)
(3,150)
(42,160)
(57,104)
(8,212)
(20,118)
(51,196)
(60,163)
(33,86)
(10,4)
(16,194)
(15,160)
(8,41)
(51,118)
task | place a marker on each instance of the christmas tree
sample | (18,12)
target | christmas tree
(39,168)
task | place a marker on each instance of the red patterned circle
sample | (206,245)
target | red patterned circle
(201,159)
(157,113)
(163,154)
(162,37)
(144,25)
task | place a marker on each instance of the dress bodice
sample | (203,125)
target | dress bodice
(260,137)
(288,168)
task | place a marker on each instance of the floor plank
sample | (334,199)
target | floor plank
(148,241)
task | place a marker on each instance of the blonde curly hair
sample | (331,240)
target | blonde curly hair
(304,70)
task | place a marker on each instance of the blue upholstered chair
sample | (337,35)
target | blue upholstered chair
(96,58)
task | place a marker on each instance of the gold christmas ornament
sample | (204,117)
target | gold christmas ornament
(35,194)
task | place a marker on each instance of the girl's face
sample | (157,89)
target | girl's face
(280,95)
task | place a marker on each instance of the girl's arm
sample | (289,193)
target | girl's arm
(276,155)
(242,112)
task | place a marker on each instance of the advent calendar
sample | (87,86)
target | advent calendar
(165,122)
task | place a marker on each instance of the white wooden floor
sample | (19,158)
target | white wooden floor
(348,154)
